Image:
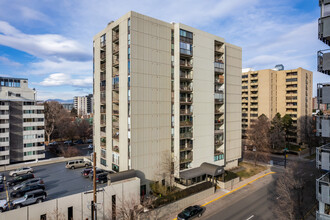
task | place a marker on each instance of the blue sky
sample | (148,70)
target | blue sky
(50,42)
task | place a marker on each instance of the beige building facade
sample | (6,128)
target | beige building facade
(166,95)
(272,91)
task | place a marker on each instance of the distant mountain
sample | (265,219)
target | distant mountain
(61,100)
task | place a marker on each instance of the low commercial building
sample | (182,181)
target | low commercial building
(21,122)
(113,201)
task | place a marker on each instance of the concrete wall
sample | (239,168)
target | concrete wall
(228,184)
(127,194)
(233,119)
(177,206)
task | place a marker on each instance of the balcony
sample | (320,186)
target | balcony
(103,44)
(322,216)
(185,88)
(219,111)
(103,110)
(186,135)
(218,142)
(103,141)
(102,77)
(218,121)
(185,52)
(103,100)
(185,76)
(187,159)
(218,101)
(4,116)
(219,49)
(103,56)
(184,100)
(324,29)
(115,37)
(103,123)
(323,61)
(322,157)
(186,123)
(185,64)
(115,136)
(103,66)
(115,112)
(187,147)
(185,112)
(220,80)
(115,49)
(115,62)
(218,131)
(219,67)
(102,88)
(115,149)
(323,188)
(115,86)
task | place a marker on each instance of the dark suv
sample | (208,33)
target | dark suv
(36,196)
(102,177)
(98,171)
(25,189)
(191,212)
(20,179)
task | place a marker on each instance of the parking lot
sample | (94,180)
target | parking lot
(59,181)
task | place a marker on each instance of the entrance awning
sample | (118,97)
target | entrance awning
(204,169)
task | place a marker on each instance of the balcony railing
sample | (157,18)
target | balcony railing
(115,112)
(103,43)
(115,49)
(220,80)
(115,86)
(219,67)
(323,61)
(219,49)
(322,157)
(103,66)
(186,123)
(103,122)
(115,37)
(218,131)
(186,135)
(102,88)
(103,56)
(115,62)
(218,101)
(185,64)
(323,188)
(219,121)
(115,149)
(185,112)
(185,76)
(115,136)
(187,147)
(186,100)
(186,159)
(185,88)
(186,52)
(102,76)
(322,216)
(103,110)
(218,142)
(218,111)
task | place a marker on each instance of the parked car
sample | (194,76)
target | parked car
(86,171)
(73,164)
(54,143)
(36,196)
(68,142)
(191,212)
(3,205)
(79,142)
(102,177)
(2,187)
(20,171)
(21,192)
(90,147)
(29,182)
(19,179)
(89,141)
(98,171)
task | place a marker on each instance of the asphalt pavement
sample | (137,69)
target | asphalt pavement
(60,181)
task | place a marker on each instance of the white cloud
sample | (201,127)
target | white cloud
(8,62)
(47,46)
(62,79)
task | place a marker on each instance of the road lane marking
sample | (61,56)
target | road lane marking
(235,189)
(250,217)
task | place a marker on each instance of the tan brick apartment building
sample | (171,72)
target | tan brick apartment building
(165,91)
(271,90)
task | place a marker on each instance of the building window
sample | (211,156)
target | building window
(103,162)
(43,217)
(292,80)
(70,213)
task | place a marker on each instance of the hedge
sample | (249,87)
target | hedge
(181,194)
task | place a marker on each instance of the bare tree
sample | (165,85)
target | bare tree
(53,111)
(66,127)
(306,131)
(295,191)
(84,129)
(258,136)
(68,151)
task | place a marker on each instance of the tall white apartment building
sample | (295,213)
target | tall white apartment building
(165,93)
(83,104)
(21,122)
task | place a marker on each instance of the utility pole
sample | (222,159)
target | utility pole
(5,183)
(94,215)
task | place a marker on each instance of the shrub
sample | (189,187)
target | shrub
(229,176)
(175,196)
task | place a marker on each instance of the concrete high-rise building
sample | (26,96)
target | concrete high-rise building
(21,122)
(83,104)
(271,91)
(165,93)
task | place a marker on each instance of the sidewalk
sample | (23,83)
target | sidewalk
(220,193)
